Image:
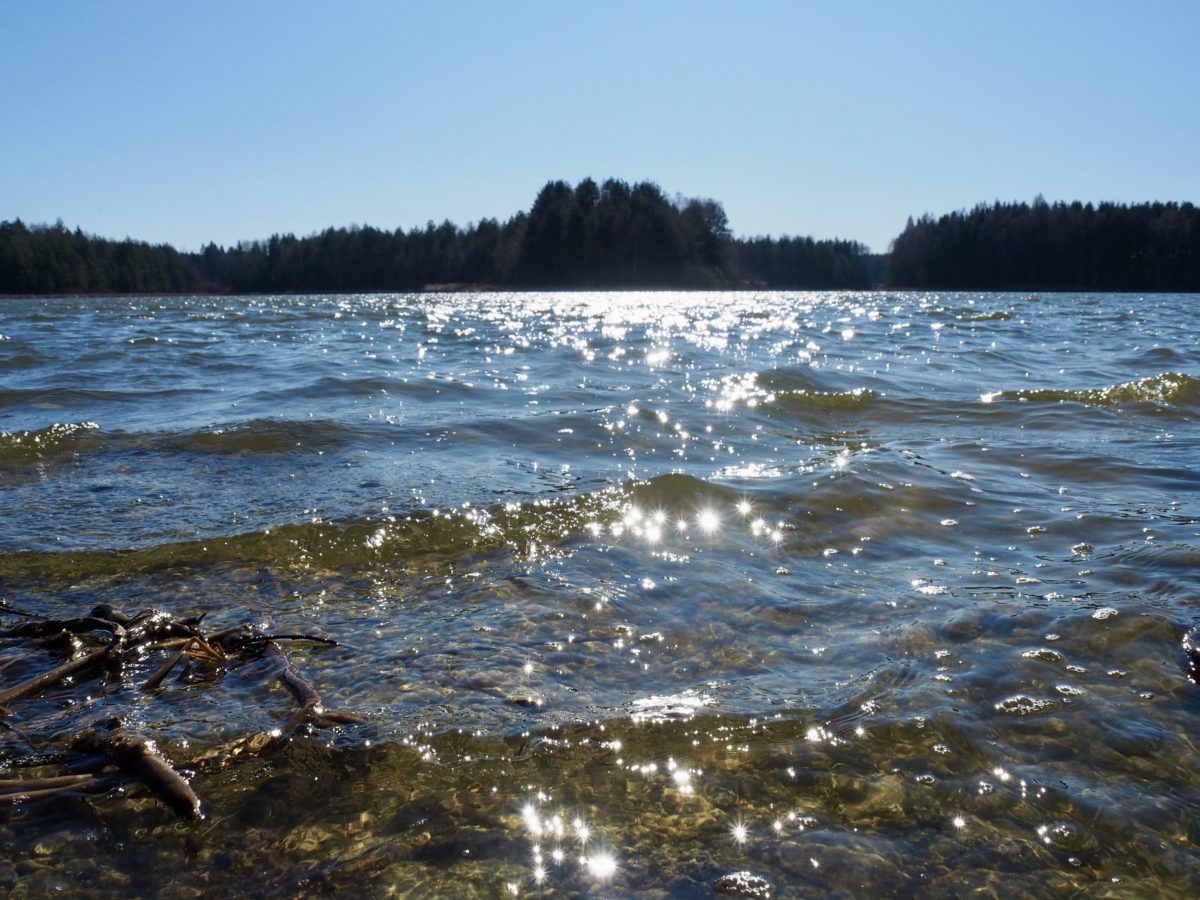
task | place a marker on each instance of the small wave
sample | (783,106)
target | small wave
(996,315)
(421,541)
(57,438)
(21,361)
(679,492)
(265,436)
(826,401)
(1154,356)
(1170,390)
(332,388)
(61,397)
(676,707)
(791,380)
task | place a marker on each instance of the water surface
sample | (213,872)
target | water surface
(862,594)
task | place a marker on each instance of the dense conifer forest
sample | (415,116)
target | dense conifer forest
(617,235)
(610,235)
(52,260)
(1076,246)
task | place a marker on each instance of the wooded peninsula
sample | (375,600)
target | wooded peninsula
(616,235)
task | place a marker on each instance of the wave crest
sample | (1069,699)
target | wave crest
(1173,390)
(61,436)
(423,540)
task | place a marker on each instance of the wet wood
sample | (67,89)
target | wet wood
(134,636)
(40,789)
(54,627)
(15,659)
(156,679)
(11,785)
(46,680)
(111,613)
(311,710)
(304,693)
(140,758)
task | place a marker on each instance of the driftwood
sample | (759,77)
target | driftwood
(48,679)
(137,758)
(16,785)
(24,790)
(312,710)
(52,627)
(251,639)
(188,647)
(140,759)
(12,610)
(153,682)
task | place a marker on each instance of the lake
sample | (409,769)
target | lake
(653,594)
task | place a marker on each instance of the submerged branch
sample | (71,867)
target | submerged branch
(46,680)
(45,788)
(139,758)
(156,679)
(311,710)
(153,631)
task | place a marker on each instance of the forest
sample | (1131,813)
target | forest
(617,235)
(1039,246)
(52,260)
(610,235)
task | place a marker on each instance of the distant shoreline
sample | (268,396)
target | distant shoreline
(617,236)
(493,289)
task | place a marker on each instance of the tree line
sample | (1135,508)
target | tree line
(618,235)
(610,235)
(1076,246)
(52,260)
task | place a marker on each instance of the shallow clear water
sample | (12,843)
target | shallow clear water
(859,593)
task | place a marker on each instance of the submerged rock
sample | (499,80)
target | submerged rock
(527,699)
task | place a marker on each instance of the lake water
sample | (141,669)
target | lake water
(861,594)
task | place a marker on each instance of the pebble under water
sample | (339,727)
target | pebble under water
(636,594)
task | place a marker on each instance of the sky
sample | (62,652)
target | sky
(227,121)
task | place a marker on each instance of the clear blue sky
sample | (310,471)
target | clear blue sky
(226,121)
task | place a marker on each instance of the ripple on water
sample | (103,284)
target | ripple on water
(638,592)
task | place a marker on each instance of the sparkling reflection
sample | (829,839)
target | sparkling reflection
(597,862)
(740,832)
(648,580)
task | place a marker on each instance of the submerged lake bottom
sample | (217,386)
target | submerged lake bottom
(674,595)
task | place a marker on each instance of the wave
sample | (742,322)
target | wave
(267,437)
(789,380)
(58,397)
(262,436)
(1154,356)
(61,437)
(336,388)
(1168,390)
(826,401)
(658,510)
(996,315)
(422,540)
(20,361)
